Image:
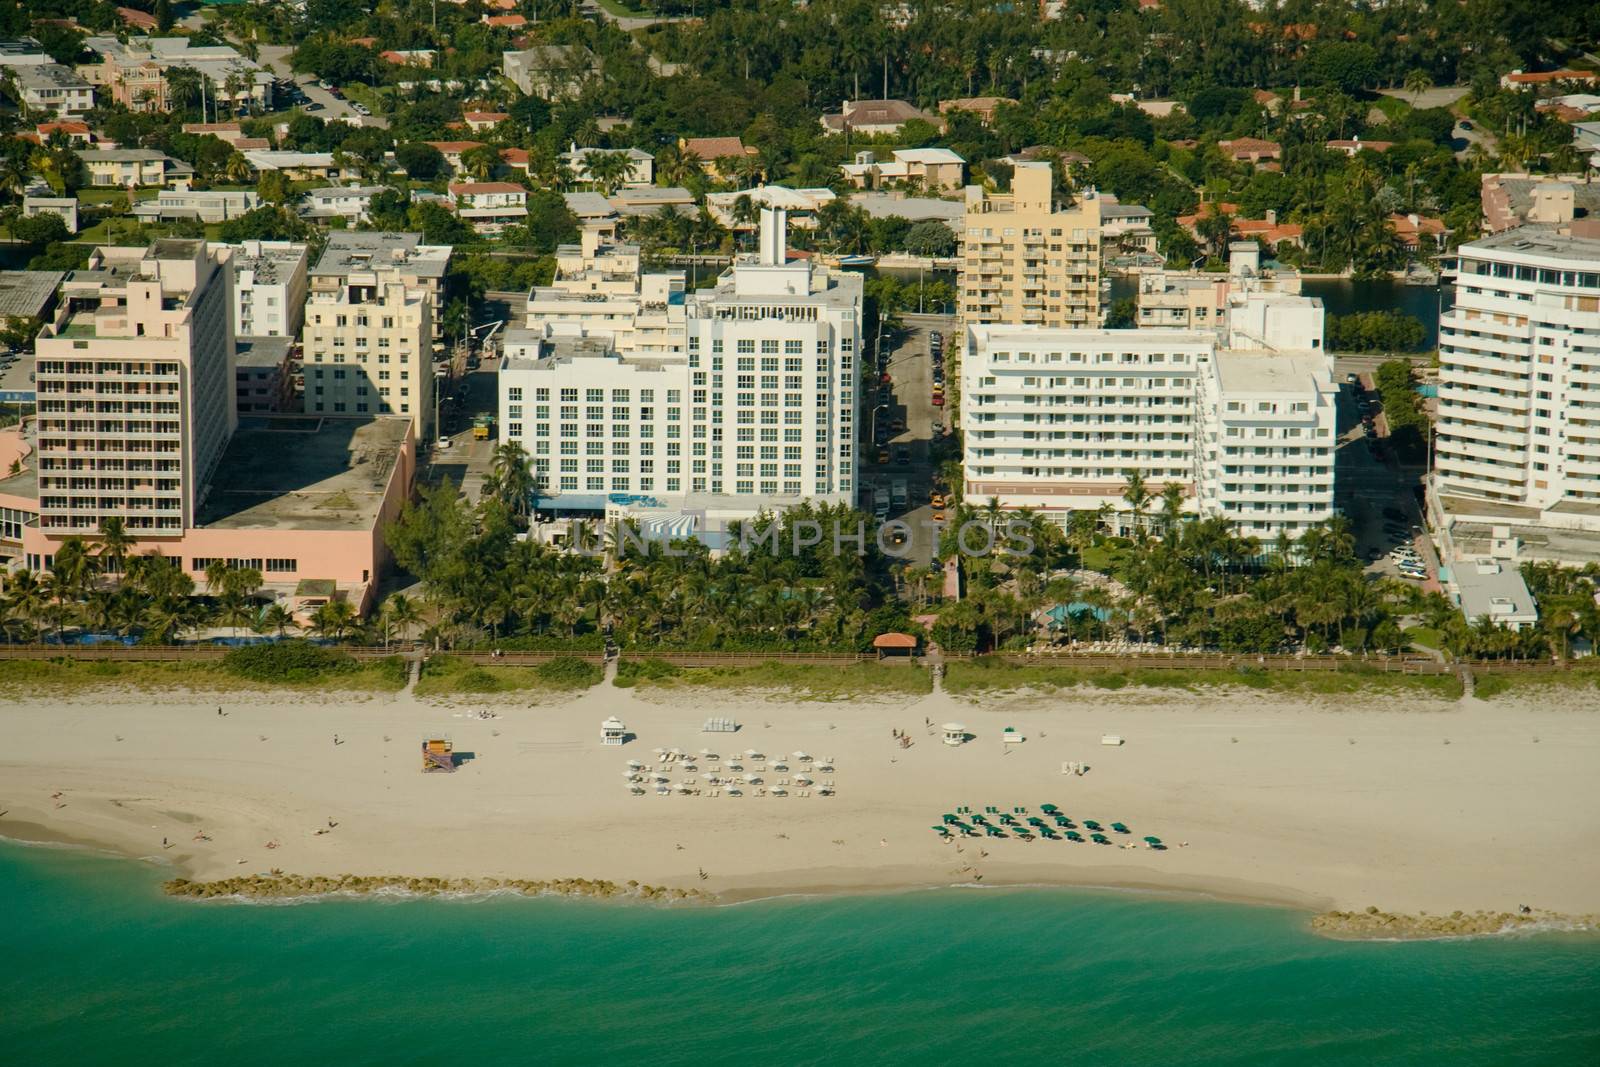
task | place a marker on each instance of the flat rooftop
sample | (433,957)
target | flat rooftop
(1538,239)
(555,351)
(24,293)
(1269,372)
(361,250)
(261,351)
(304,473)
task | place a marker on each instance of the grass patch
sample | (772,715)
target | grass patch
(22,678)
(1490,686)
(990,676)
(452,676)
(803,681)
(1425,637)
(620,10)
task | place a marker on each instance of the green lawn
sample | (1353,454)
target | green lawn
(798,681)
(1425,637)
(26,679)
(977,677)
(451,676)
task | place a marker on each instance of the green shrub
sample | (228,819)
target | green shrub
(477,680)
(569,672)
(631,672)
(286,661)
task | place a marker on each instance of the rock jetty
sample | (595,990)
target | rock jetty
(279,886)
(1375,923)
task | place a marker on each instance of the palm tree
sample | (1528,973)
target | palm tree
(1171,509)
(237,169)
(675,165)
(1417,82)
(1137,498)
(513,480)
(334,619)
(277,619)
(402,613)
(608,170)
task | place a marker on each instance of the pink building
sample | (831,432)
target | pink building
(303,500)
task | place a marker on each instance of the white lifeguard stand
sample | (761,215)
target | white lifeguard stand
(612,732)
(954,734)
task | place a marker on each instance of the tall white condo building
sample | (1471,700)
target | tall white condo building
(1517,458)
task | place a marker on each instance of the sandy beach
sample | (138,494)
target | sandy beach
(1319,805)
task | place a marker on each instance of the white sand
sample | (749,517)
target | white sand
(1274,800)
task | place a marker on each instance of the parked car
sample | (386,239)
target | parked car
(883,455)
(938,400)
(1352,379)
(902,455)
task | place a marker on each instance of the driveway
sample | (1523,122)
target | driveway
(1377,495)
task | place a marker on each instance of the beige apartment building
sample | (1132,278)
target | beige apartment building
(368,260)
(367,352)
(135,389)
(1027,261)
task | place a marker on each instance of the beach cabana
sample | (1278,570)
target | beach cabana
(894,644)
(612,732)
(954,733)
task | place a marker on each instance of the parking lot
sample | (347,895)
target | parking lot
(1376,491)
(900,426)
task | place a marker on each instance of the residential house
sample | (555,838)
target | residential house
(76,132)
(515,159)
(122,167)
(452,151)
(298,166)
(1355,145)
(716,154)
(935,169)
(983,107)
(1266,228)
(136,72)
(23,52)
(641,165)
(874,117)
(504,22)
(348,202)
(911,208)
(478,121)
(490,207)
(1492,589)
(202,205)
(55,89)
(1251,150)
(550,71)
(64,206)
(1420,232)
(1520,80)
(639,200)
(135,19)
(410,57)
(1125,229)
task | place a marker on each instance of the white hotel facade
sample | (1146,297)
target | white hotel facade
(757,411)
(1517,453)
(1056,420)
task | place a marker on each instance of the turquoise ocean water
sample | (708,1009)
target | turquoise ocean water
(99,968)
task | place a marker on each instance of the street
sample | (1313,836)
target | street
(902,417)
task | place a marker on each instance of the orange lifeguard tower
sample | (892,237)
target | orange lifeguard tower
(438,754)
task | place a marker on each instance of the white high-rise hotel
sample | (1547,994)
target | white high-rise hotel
(1518,440)
(756,409)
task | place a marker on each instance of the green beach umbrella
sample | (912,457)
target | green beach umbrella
(1152,840)
(1119,828)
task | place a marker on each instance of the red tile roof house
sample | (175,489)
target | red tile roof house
(710,151)
(1251,150)
(139,20)
(515,158)
(76,132)
(478,121)
(505,22)
(1267,229)
(1412,229)
(490,207)
(1519,80)
(454,150)
(871,117)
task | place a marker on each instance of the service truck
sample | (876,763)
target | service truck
(880,503)
(897,494)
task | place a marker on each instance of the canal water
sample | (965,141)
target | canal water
(1343,296)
